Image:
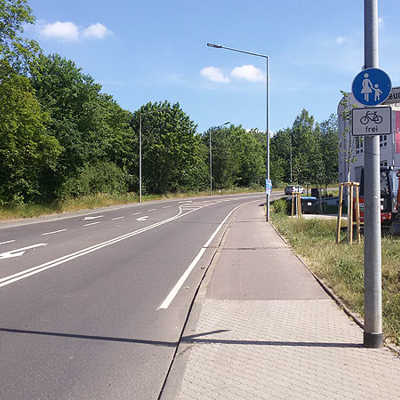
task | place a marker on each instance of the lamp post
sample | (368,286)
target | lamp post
(140,150)
(211,174)
(217,46)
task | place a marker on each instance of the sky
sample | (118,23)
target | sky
(156,51)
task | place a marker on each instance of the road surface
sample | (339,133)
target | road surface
(92,305)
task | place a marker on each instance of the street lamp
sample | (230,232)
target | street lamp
(217,46)
(211,175)
(140,150)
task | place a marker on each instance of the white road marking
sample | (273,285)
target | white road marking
(136,213)
(166,206)
(114,219)
(52,233)
(8,241)
(8,280)
(19,252)
(92,223)
(142,218)
(153,209)
(165,304)
(90,218)
(185,201)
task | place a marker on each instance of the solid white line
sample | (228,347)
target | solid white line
(8,280)
(114,219)
(165,304)
(92,223)
(52,233)
(8,241)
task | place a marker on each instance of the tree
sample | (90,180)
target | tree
(27,152)
(173,157)
(330,149)
(89,125)
(19,52)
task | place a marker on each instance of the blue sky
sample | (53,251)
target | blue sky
(155,51)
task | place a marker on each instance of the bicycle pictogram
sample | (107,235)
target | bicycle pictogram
(371,116)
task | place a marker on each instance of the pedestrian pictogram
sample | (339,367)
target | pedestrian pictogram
(371,86)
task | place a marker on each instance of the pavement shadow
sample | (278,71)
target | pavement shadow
(88,337)
(196,339)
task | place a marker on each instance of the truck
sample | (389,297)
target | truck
(390,197)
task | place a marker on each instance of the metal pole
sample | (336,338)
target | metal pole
(267,123)
(217,46)
(140,157)
(210,165)
(373,336)
(291,167)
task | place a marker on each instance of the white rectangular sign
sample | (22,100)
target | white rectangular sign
(372,121)
(394,96)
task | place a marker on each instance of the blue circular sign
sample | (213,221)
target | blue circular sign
(371,86)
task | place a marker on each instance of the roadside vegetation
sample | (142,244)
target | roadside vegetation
(65,144)
(99,200)
(341,267)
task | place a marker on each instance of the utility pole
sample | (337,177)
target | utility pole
(373,336)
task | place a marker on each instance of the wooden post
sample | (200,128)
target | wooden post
(350,214)
(298,205)
(358,211)
(339,220)
(292,213)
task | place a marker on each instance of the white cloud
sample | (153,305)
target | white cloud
(95,31)
(249,73)
(341,40)
(214,74)
(69,31)
(61,30)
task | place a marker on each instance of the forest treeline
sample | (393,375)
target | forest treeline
(62,137)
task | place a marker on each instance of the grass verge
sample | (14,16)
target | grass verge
(102,200)
(341,267)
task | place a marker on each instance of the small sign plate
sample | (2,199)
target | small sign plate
(371,121)
(268,186)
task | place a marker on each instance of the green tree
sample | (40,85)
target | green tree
(89,125)
(19,52)
(27,152)
(173,157)
(330,149)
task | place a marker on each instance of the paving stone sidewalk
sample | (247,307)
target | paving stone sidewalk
(262,328)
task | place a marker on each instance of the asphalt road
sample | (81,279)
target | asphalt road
(92,305)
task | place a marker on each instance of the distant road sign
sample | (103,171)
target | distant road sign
(268,186)
(394,96)
(371,86)
(372,121)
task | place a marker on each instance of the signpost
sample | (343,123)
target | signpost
(371,121)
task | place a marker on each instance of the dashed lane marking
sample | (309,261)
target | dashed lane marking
(54,232)
(92,223)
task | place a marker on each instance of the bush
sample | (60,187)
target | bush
(280,206)
(100,177)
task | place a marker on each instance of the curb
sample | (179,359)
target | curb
(358,320)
